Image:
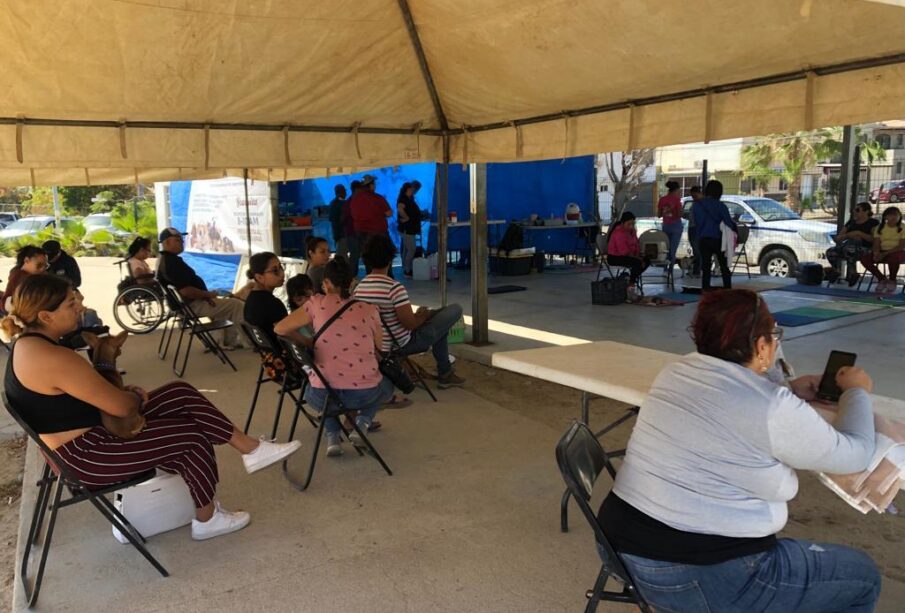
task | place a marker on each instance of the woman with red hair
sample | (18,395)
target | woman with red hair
(710,468)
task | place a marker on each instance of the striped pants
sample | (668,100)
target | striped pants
(182,429)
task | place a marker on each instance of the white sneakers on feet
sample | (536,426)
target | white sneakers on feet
(222,522)
(268,453)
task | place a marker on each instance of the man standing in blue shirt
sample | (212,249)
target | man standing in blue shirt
(708,214)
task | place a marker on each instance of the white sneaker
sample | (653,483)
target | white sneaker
(354,437)
(222,522)
(268,453)
(334,449)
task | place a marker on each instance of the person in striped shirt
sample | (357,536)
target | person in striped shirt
(412,331)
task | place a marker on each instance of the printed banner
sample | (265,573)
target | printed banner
(217,219)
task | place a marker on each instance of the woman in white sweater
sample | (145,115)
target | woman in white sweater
(710,467)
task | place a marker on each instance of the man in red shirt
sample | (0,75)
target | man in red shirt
(369,211)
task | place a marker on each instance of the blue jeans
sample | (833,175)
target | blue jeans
(674,232)
(366,401)
(432,335)
(795,575)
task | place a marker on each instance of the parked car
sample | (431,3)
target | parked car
(31,225)
(778,239)
(7,218)
(101,221)
(891,191)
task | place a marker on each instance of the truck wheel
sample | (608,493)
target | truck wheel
(778,263)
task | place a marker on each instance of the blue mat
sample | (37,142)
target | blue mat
(842,293)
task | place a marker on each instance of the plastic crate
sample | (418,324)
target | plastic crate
(456,333)
(515,266)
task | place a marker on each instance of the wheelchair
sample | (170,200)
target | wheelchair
(139,306)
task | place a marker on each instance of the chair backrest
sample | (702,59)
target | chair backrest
(50,456)
(658,238)
(581,459)
(602,242)
(180,304)
(742,235)
(303,358)
(259,339)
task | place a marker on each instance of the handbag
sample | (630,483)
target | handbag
(390,366)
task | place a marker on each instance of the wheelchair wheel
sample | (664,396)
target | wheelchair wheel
(138,309)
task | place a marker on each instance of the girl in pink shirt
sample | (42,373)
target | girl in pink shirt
(345,353)
(623,248)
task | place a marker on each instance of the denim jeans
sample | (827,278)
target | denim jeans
(366,401)
(432,335)
(695,251)
(795,575)
(674,232)
(408,252)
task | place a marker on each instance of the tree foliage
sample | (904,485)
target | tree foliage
(626,171)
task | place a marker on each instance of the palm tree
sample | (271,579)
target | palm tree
(788,155)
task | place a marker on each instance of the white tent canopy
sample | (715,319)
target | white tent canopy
(113,91)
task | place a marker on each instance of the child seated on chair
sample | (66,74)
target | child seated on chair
(299,290)
(345,352)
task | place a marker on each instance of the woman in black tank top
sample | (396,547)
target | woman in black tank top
(60,397)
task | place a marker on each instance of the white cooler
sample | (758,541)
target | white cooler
(158,505)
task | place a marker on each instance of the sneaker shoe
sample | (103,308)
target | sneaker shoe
(334,446)
(356,438)
(268,453)
(222,522)
(450,380)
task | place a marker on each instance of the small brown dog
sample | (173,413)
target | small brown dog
(106,349)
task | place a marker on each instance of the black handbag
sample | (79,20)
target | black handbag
(390,365)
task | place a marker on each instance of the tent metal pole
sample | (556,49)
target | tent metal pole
(478,208)
(442,191)
(845,178)
(247,211)
(422,62)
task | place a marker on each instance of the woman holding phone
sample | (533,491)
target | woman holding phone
(710,467)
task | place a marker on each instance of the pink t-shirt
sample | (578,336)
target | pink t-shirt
(670,208)
(623,242)
(345,352)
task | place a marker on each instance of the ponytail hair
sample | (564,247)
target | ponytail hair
(257,264)
(339,273)
(35,294)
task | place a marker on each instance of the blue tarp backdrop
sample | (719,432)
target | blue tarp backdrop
(514,192)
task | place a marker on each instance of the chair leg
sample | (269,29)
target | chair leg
(168,327)
(32,592)
(564,511)
(185,359)
(302,486)
(276,417)
(599,586)
(127,530)
(372,450)
(254,400)
(178,347)
(37,517)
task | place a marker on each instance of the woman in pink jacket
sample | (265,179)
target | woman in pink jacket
(623,248)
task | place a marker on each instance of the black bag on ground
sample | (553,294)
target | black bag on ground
(390,366)
(609,290)
(810,273)
(514,238)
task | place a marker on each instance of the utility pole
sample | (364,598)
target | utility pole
(56,206)
(845,178)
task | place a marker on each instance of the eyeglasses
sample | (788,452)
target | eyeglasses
(777,333)
(275,271)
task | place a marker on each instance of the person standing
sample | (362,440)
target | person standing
(669,208)
(369,211)
(409,216)
(351,239)
(336,220)
(708,214)
(61,263)
(697,195)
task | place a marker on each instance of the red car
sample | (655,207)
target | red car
(892,191)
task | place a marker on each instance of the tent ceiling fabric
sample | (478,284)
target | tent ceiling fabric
(266,64)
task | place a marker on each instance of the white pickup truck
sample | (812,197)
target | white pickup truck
(778,240)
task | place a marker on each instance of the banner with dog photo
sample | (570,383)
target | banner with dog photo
(217,220)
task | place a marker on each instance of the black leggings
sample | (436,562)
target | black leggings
(710,247)
(636,265)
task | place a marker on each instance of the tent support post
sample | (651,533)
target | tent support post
(477,182)
(247,211)
(442,188)
(845,179)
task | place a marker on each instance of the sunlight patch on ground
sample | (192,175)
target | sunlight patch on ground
(530,333)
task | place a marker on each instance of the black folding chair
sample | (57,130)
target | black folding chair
(57,476)
(303,359)
(581,459)
(410,366)
(741,248)
(291,380)
(188,321)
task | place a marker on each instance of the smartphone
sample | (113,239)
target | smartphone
(828,390)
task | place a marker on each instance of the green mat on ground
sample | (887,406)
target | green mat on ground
(823,311)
